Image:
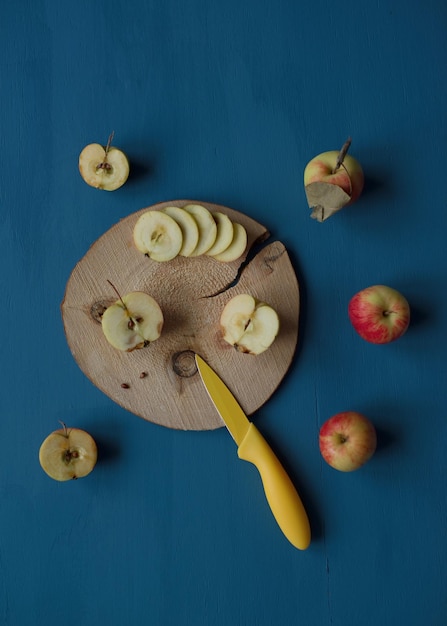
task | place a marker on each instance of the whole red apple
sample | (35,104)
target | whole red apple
(379,314)
(347,441)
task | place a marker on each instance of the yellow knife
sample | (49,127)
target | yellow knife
(282,496)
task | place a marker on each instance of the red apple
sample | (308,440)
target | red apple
(347,441)
(332,180)
(379,314)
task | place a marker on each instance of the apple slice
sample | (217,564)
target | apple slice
(141,225)
(224,235)
(188,226)
(249,325)
(236,247)
(132,322)
(158,235)
(68,453)
(103,167)
(206,225)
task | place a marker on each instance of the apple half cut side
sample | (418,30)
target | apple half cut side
(332,180)
(188,226)
(132,322)
(158,235)
(68,453)
(249,325)
(206,225)
(103,167)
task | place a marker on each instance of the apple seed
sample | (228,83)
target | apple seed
(69,455)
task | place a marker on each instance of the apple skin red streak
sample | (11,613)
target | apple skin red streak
(347,440)
(367,325)
(379,314)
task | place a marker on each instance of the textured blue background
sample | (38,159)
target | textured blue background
(226,102)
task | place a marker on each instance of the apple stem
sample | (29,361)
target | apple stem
(117,293)
(341,155)
(104,165)
(64,426)
(109,143)
(131,322)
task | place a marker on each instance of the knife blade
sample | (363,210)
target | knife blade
(283,499)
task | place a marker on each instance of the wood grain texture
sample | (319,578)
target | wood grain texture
(192,293)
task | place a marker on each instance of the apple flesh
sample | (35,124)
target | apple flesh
(236,248)
(207,228)
(189,231)
(68,453)
(379,314)
(158,235)
(188,226)
(103,167)
(224,236)
(347,441)
(249,325)
(332,180)
(133,321)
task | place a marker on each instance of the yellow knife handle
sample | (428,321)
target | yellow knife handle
(281,494)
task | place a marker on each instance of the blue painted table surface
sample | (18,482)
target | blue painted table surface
(226,102)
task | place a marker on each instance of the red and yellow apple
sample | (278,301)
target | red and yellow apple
(347,441)
(379,314)
(332,180)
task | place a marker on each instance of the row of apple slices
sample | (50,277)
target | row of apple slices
(189,231)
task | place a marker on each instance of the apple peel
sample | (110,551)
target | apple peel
(325,199)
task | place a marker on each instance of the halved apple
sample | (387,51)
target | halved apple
(103,167)
(224,234)
(206,225)
(68,453)
(188,226)
(236,247)
(249,325)
(133,321)
(158,235)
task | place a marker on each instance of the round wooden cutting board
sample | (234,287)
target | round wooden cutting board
(160,382)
